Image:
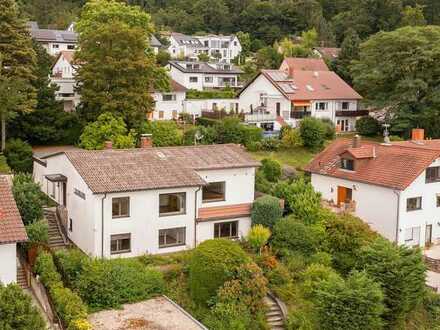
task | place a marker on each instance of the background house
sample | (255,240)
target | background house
(168,105)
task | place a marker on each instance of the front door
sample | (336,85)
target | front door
(343,124)
(428,235)
(345,195)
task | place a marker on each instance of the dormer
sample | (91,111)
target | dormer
(356,155)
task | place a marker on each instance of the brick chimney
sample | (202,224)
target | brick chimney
(417,134)
(356,141)
(146,141)
(108,145)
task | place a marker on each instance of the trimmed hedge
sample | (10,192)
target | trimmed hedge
(271,169)
(19,156)
(266,211)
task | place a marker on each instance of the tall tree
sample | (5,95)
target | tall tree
(349,52)
(118,69)
(413,16)
(17,65)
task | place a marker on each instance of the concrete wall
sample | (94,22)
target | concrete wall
(8,263)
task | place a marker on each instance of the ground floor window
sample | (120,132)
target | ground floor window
(172,237)
(343,124)
(226,229)
(120,243)
(412,236)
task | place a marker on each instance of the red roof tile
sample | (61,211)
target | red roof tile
(11,226)
(304,64)
(365,151)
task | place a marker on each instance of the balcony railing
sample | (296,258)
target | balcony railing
(259,117)
(300,114)
(351,113)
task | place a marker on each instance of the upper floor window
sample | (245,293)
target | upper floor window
(438,200)
(168,97)
(414,203)
(70,46)
(321,106)
(347,164)
(433,174)
(226,229)
(214,192)
(172,204)
(193,79)
(345,105)
(55,46)
(120,207)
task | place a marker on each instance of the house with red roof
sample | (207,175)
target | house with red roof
(12,231)
(300,88)
(394,187)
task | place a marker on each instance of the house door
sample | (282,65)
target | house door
(345,195)
(343,124)
(428,235)
(64,194)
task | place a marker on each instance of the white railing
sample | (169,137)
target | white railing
(258,117)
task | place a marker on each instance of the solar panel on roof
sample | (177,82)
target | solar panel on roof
(288,87)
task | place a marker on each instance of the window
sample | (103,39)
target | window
(120,243)
(193,79)
(52,191)
(161,113)
(121,207)
(209,79)
(345,105)
(347,164)
(214,192)
(414,203)
(267,127)
(70,224)
(172,237)
(226,229)
(172,204)
(235,43)
(70,46)
(168,97)
(55,46)
(412,236)
(433,174)
(79,193)
(278,109)
(438,200)
(321,106)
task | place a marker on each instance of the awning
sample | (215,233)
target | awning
(56,178)
(301,103)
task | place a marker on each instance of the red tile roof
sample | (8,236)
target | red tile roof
(224,212)
(304,64)
(394,166)
(176,87)
(365,151)
(11,226)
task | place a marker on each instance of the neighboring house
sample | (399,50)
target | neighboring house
(126,203)
(54,41)
(184,46)
(168,105)
(291,64)
(204,75)
(198,106)
(283,97)
(155,44)
(12,231)
(395,188)
(63,75)
(327,53)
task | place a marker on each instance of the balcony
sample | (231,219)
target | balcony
(300,114)
(351,113)
(259,117)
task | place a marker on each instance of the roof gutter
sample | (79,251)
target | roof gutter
(397,193)
(102,225)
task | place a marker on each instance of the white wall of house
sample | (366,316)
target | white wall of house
(54,48)
(184,79)
(8,263)
(196,106)
(63,75)
(63,67)
(167,110)
(228,47)
(205,229)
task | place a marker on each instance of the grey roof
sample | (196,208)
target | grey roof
(204,67)
(185,40)
(154,42)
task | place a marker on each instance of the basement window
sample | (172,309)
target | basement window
(120,243)
(226,230)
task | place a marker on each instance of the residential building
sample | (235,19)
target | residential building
(204,75)
(185,47)
(12,231)
(327,53)
(63,75)
(126,203)
(199,106)
(394,187)
(291,64)
(168,105)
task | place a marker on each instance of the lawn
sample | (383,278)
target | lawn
(296,157)
(4,168)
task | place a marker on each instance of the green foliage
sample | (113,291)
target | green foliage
(251,134)
(271,169)
(70,264)
(19,156)
(314,275)
(266,211)
(291,138)
(208,135)
(212,264)
(313,132)
(47,271)
(270,144)
(258,237)
(163,57)
(4,168)
(309,39)
(431,302)
(368,126)
(229,131)
(210,94)
(17,310)
(28,197)
(165,133)
(349,52)
(268,58)
(330,130)
(413,16)
(262,184)
(38,232)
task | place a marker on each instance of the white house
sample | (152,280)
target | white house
(204,75)
(63,75)
(395,188)
(125,203)
(12,231)
(283,97)
(168,105)
(198,106)
(184,46)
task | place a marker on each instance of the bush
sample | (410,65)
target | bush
(254,146)
(330,130)
(314,275)
(262,185)
(270,144)
(212,264)
(431,302)
(271,169)
(251,134)
(70,263)
(45,268)
(165,133)
(266,211)
(28,198)
(207,122)
(229,130)
(210,94)
(368,126)
(291,138)
(313,132)
(208,135)
(279,275)
(258,237)
(38,232)
(299,319)
(395,138)
(19,156)
(322,258)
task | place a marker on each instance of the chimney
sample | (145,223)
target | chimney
(146,140)
(356,141)
(417,134)
(108,145)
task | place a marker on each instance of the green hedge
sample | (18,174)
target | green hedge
(266,211)
(28,197)
(213,94)
(19,156)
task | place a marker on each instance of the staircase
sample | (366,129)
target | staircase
(21,278)
(56,240)
(274,314)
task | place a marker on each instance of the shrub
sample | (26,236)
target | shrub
(314,275)
(38,232)
(261,183)
(330,130)
(165,133)
(210,94)
(291,138)
(45,268)
(279,275)
(19,156)
(27,195)
(251,134)
(207,122)
(313,132)
(299,319)
(17,310)
(225,316)
(271,169)
(258,237)
(322,258)
(270,144)
(254,146)
(431,302)
(395,138)
(208,135)
(368,126)
(212,264)
(266,211)
(70,263)
(229,130)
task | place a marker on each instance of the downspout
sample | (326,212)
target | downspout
(102,225)
(195,216)
(398,216)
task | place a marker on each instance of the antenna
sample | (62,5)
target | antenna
(386,134)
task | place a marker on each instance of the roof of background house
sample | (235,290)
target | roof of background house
(394,166)
(330,53)
(174,87)
(154,42)
(185,40)
(204,67)
(305,64)
(11,226)
(68,56)
(154,168)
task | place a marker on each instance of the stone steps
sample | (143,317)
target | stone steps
(274,314)
(21,278)
(56,240)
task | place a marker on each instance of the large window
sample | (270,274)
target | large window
(172,204)
(413,204)
(214,192)
(347,164)
(121,207)
(226,229)
(193,79)
(433,174)
(438,200)
(321,106)
(120,243)
(172,237)
(209,79)
(345,105)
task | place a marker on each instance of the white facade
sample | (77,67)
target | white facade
(92,224)
(63,75)
(168,105)
(8,264)
(196,106)
(228,47)
(54,48)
